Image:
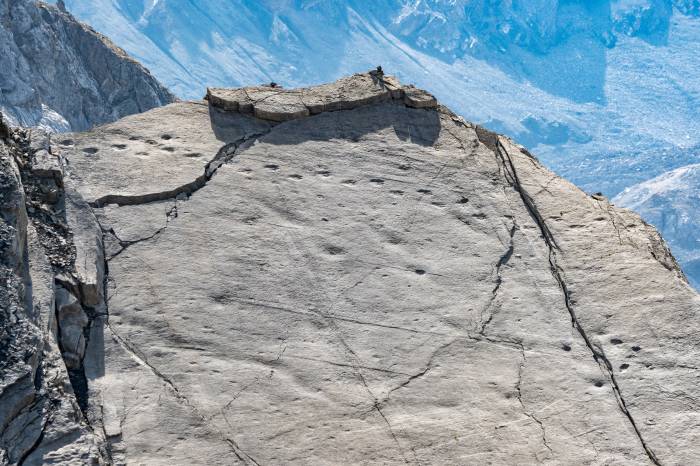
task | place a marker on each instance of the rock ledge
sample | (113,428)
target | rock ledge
(278,104)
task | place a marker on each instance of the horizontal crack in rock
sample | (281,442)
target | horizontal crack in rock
(226,153)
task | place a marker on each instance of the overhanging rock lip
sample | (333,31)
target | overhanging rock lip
(278,104)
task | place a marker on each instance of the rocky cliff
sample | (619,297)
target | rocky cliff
(344,274)
(60,74)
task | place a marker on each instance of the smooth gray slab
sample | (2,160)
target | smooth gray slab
(153,155)
(375,284)
(367,286)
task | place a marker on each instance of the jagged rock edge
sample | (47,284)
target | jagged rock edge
(394,92)
(19,138)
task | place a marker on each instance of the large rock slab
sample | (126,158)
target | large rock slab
(62,75)
(139,159)
(375,281)
(347,300)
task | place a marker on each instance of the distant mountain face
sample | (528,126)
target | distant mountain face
(604,92)
(672,202)
(61,75)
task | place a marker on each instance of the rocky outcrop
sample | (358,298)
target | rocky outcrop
(40,391)
(61,75)
(275,104)
(350,274)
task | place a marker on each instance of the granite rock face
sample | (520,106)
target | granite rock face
(275,104)
(59,74)
(347,274)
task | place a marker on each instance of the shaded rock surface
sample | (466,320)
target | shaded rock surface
(352,274)
(40,418)
(60,74)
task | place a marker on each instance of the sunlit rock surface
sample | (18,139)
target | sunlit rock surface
(606,93)
(671,202)
(367,283)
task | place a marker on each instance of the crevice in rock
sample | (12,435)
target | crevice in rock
(42,174)
(616,227)
(141,358)
(356,364)
(125,244)
(226,153)
(519,394)
(352,366)
(76,375)
(106,439)
(598,355)
(37,443)
(502,261)
(376,405)
(428,367)
(255,381)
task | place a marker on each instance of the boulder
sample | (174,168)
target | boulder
(373,281)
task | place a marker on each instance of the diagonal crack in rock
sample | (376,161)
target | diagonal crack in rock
(519,394)
(511,176)
(167,381)
(502,261)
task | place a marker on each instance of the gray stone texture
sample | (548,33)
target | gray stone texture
(352,274)
(40,420)
(277,104)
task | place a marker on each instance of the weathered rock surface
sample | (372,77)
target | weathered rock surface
(60,74)
(351,274)
(40,419)
(671,202)
(277,104)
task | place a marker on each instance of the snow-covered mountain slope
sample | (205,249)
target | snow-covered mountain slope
(672,203)
(60,74)
(606,93)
